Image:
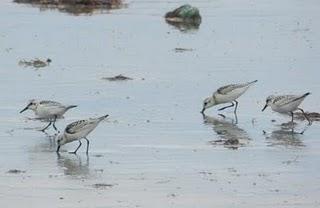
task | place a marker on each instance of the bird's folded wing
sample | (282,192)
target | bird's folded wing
(285,99)
(76,126)
(226,89)
(49,102)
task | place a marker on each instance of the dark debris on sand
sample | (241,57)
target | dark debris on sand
(36,63)
(180,50)
(70,2)
(103,185)
(74,6)
(16,171)
(313,116)
(184,18)
(119,77)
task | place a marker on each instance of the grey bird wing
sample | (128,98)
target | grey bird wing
(285,99)
(76,126)
(228,88)
(81,125)
(50,103)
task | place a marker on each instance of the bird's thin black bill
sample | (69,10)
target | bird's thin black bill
(264,107)
(26,108)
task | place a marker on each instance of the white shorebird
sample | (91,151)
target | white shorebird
(47,110)
(227,94)
(286,104)
(78,130)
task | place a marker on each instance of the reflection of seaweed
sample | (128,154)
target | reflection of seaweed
(313,116)
(74,166)
(185,26)
(231,136)
(75,7)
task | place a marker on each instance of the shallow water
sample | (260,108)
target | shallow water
(155,147)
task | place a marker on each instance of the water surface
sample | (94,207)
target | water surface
(155,147)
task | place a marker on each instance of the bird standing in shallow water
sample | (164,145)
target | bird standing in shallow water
(78,130)
(48,110)
(286,104)
(227,94)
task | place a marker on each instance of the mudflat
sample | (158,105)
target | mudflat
(156,149)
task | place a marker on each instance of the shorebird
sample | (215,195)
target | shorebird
(227,94)
(78,130)
(47,110)
(286,104)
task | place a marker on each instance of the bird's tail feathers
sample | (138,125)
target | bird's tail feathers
(306,94)
(71,106)
(250,83)
(302,97)
(103,117)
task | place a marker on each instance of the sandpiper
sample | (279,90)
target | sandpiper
(227,94)
(78,130)
(47,110)
(286,104)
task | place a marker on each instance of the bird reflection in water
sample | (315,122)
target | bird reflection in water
(74,165)
(285,136)
(230,135)
(48,144)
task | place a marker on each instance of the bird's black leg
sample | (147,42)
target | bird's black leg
(292,129)
(291,117)
(235,108)
(229,106)
(305,115)
(58,150)
(87,145)
(236,117)
(46,126)
(75,152)
(54,123)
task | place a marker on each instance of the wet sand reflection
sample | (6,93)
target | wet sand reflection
(230,135)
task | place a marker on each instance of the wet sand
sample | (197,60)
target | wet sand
(156,149)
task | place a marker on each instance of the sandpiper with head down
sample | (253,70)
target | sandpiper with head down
(227,94)
(48,110)
(286,104)
(78,130)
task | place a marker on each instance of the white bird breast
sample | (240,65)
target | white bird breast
(287,107)
(44,111)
